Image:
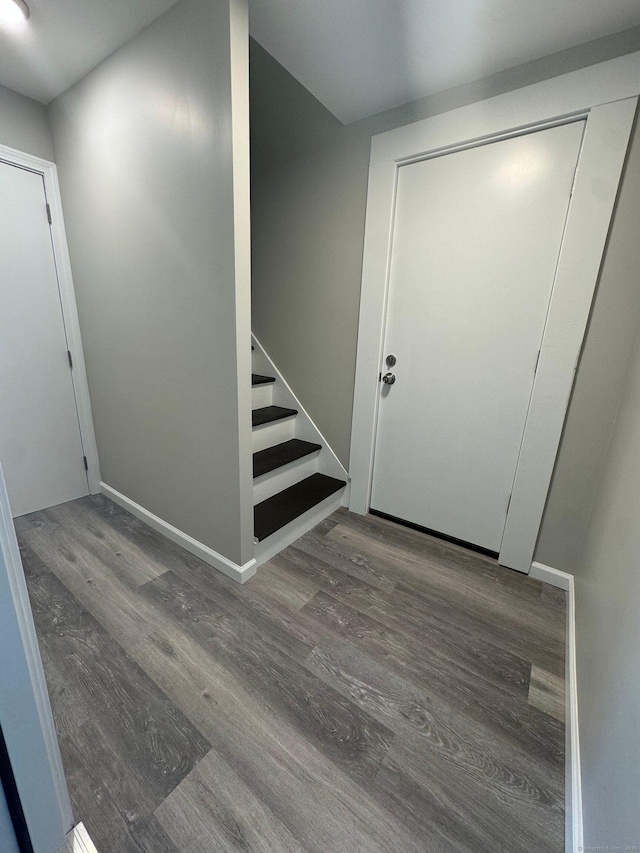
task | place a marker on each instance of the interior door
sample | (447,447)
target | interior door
(477,235)
(40,445)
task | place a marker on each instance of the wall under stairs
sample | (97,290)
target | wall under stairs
(298,479)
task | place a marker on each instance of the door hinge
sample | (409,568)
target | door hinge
(380,377)
(86,464)
(69,356)
(535,369)
(49,213)
(509,503)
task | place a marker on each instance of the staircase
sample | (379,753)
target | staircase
(297,480)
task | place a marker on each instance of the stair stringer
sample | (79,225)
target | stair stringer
(327,461)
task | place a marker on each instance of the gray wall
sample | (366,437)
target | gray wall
(24,125)
(145,149)
(592,528)
(309,182)
(608,638)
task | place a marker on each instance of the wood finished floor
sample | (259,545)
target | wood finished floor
(370,689)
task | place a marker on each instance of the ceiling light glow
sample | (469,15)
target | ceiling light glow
(13,12)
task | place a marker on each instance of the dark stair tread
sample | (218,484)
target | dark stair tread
(281,454)
(270,413)
(278,510)
(258,379)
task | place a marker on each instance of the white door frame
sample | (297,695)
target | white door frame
(606,96)
(49,174)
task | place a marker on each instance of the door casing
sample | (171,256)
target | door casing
(606,96)
(68,302)
(25,711)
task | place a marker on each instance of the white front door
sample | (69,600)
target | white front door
(40,446)
(476,239)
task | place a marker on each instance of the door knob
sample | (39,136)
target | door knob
(388,379)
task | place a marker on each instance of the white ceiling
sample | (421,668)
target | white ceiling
(357,57)
(64,39)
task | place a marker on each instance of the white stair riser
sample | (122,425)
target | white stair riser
(261,395)
(298,527)
(273,433)
(276,481)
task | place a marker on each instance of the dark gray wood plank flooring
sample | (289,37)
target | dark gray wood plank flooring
(370,689)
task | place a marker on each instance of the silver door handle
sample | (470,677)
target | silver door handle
(388,379)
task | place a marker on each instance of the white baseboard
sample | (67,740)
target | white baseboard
(574,834)
(546,574)
(213,558)
(79,841)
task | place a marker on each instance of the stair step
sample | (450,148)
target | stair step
(278,510)
(257,379)
(271,413)
(281,454)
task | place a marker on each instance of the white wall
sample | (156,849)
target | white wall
(157,221)
(24,125)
